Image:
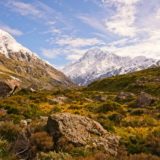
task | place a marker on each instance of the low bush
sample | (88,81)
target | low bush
(115,117)
(42,141)
(3,148)
(9,131)
(53,156)
(137,112)
(108,106)
(139,121)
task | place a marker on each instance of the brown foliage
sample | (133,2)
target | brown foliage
(42,141)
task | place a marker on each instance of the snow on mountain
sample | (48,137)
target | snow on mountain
(98,64)
(19,63)
(9,46)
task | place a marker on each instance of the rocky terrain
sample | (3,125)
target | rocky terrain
(79,131)
(22,68)
(113,118)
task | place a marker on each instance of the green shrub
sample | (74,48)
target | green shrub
(153,145)
(80,152)
(106,123)
(56,109)
(137,112)
(134,144)
(139,121)
(108,106)
(3,148)
(9,131)
(53,156)
(115,117)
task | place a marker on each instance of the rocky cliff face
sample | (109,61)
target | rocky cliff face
(69,130)
(25,68)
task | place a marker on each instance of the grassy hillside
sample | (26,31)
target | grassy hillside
(132,115)
(147,80)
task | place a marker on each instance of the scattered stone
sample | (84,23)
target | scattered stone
(23,123)
(100,98)
(59,99)
(125,96)
(44,118)
(79,131)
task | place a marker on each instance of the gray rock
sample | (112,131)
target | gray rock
(5,89)
(125,96)
(69,129)
(144,99)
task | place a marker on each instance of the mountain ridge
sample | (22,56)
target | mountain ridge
(25,68)
(97,64)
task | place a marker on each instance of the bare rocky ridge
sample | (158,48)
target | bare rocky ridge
(69,130)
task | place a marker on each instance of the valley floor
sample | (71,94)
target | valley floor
(133,116)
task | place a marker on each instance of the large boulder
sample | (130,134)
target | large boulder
(145,99)
(79,131)
(5,89)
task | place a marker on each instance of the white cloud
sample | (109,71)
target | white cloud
(71,48)
(127,2)
(51,53)
(123,22)
(148,47)
(78,42)
(24,8)
(93,22)
(37,10)
(11,30)
(69,54)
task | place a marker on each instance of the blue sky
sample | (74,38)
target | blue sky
(61,31)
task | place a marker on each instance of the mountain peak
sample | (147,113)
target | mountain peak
(5,35)
(9,46)
(95,53)
(97,63)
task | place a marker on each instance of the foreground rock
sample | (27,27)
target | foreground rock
(79,131)
(5,89)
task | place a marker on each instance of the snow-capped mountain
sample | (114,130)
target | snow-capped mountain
(19,64)
(9,46)
(97,64)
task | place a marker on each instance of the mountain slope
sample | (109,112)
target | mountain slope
(97,64)
(146,80)
(21,67)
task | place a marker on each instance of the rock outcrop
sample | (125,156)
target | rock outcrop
(79,131)
(5,89)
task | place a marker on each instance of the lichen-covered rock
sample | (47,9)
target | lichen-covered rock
(69,129)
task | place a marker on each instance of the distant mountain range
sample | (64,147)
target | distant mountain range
(97,64)
(20,66)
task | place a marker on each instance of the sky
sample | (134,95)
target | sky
(61,31)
